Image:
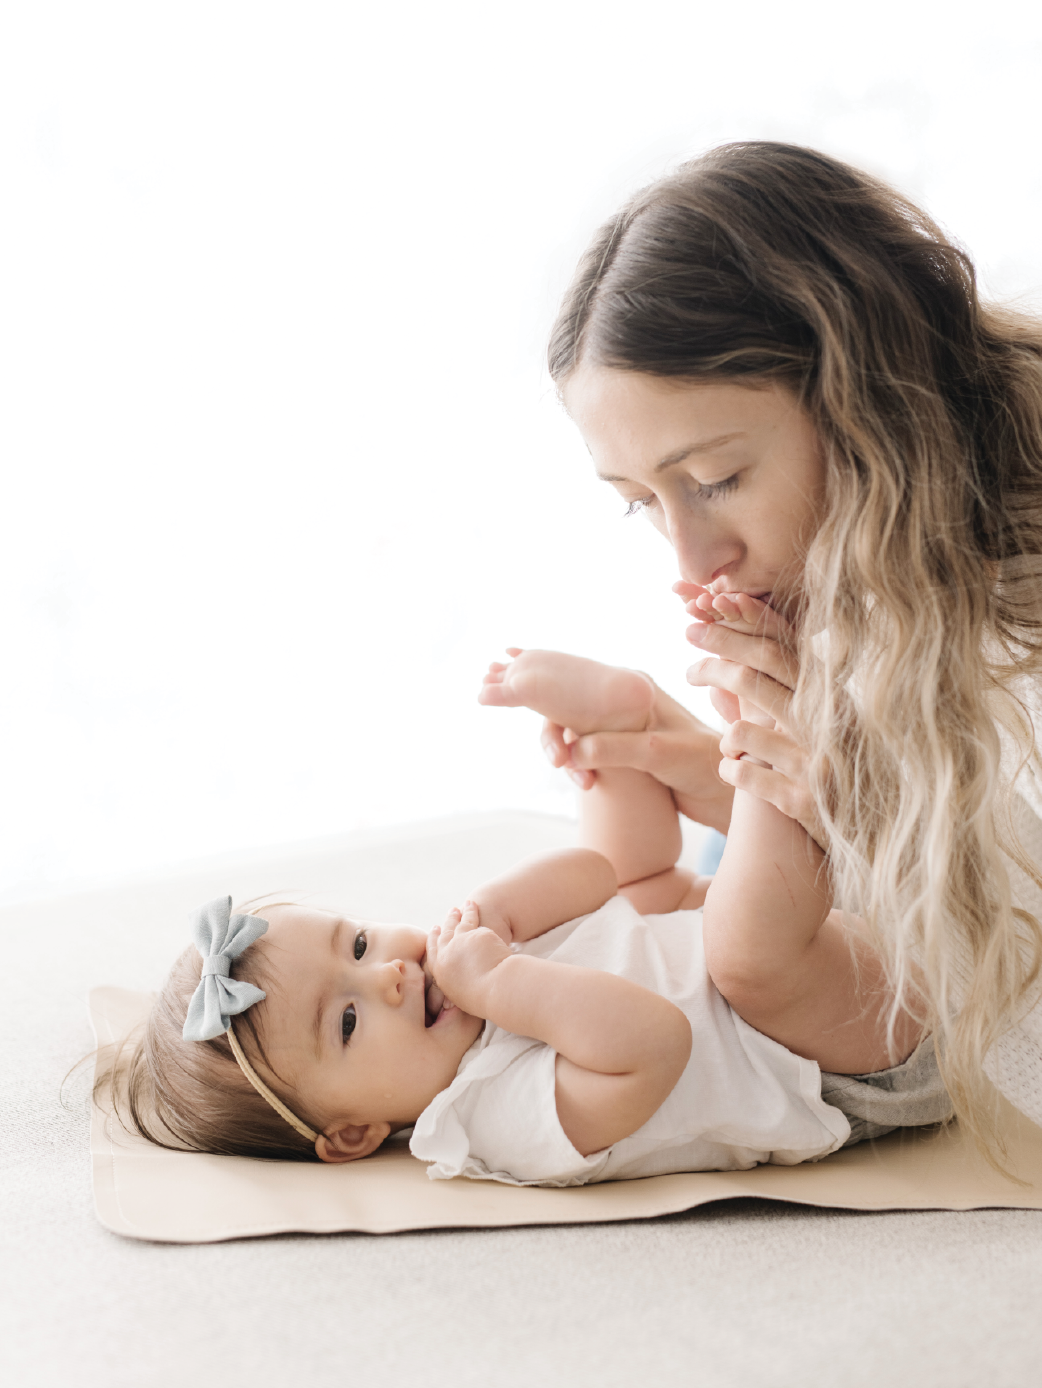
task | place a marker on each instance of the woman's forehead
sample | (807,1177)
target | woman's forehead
(635,422)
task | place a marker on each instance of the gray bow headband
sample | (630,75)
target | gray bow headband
(220,937)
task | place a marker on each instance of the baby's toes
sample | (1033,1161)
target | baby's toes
(741,613)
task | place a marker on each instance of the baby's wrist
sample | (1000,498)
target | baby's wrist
(500,989)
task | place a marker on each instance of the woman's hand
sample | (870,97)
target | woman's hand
(676,748)
(752,681)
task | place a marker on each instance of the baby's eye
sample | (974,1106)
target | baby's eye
(347,1023)
(360,944)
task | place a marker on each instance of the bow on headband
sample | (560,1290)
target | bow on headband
(220,937)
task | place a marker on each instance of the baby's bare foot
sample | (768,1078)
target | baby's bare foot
(579,694)
(737,611)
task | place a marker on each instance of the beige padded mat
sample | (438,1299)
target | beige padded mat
(145,1192)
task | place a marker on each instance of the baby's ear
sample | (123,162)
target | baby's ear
(350,1141)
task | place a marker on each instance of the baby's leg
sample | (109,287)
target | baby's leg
(627,815)
(787,963)
(579,694)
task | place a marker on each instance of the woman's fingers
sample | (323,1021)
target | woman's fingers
(748,685)
(661,754)
(777,749)
(553,743)
(558,749)
(726,705)
(755,651)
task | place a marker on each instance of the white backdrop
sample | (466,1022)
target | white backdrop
(283,468)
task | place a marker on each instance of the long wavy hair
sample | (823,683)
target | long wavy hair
(764,262)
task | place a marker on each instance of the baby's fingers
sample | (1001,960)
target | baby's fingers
(447,930)
(432,948)
(470,918)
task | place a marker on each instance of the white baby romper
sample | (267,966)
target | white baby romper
(742,1098)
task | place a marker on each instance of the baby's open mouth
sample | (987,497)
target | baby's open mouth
(433,1002)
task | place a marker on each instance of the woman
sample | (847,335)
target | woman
(785,364)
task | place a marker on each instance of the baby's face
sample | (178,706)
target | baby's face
(353,1022)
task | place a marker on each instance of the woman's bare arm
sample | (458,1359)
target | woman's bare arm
(785,961)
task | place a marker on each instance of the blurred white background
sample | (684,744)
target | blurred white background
(283,467)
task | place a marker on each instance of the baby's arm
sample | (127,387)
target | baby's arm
(620,1048)
(627,815)
(531,899)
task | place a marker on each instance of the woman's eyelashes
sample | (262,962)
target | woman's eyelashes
(703,491)
(348,1021)
(360,944)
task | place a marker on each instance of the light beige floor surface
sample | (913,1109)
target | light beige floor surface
(734,1293)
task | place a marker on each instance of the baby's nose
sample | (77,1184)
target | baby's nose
(393,978)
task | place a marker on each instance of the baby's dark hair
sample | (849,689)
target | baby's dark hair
(191,1095)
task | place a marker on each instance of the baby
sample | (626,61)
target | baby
(597,1013)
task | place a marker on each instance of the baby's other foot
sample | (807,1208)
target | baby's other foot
(738,612)
(575,693)
(496,691)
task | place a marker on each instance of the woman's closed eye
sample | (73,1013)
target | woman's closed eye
(348,1023)
(704,491)
(360,944)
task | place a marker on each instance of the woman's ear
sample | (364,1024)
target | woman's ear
(350,1141)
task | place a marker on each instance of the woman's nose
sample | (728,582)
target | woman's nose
(702,551)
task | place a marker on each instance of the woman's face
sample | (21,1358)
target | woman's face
(732,476)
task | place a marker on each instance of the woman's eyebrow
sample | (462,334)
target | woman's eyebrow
(703,446)
(671,459)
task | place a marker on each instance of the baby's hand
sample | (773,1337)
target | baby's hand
(463,954)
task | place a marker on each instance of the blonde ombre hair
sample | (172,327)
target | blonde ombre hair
(764,262)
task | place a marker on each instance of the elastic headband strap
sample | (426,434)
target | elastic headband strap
(263,1090)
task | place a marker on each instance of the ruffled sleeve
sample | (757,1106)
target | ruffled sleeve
(498,1121)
